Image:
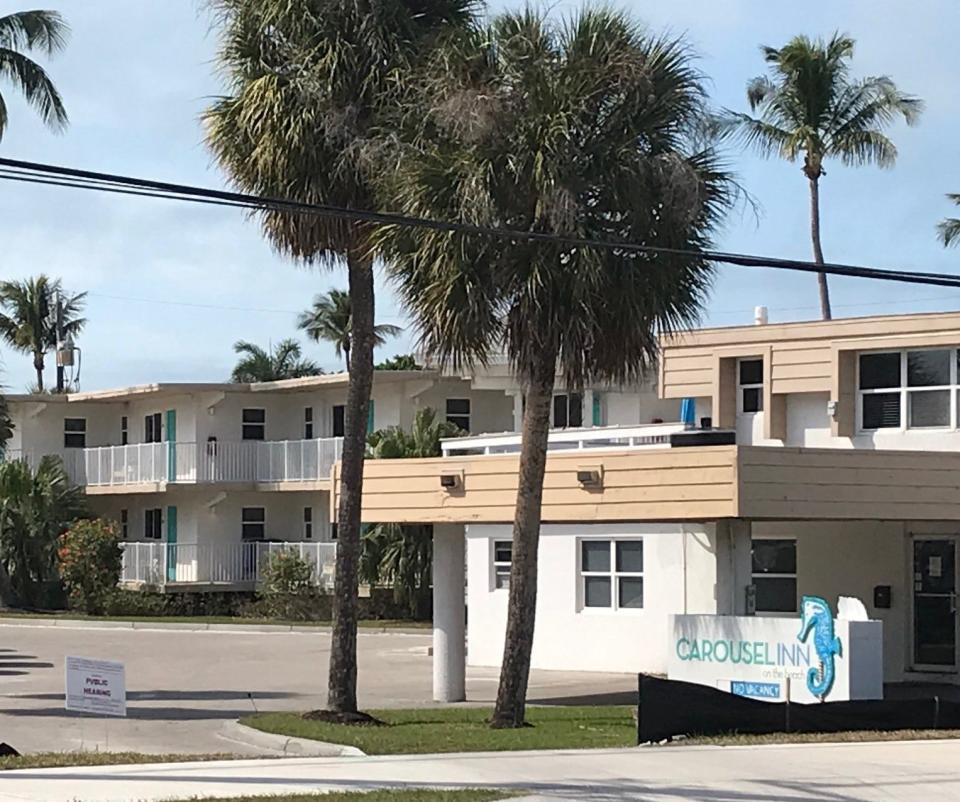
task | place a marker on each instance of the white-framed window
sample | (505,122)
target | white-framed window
(458,412)
(308,423)
(153,428)
(775,574)
(567,411)
(308,523)
(253,523)
(502,560)
(611,573)
(74,432)
(153,524)
(749,385)
(908,389)
(254,422)
(124,525)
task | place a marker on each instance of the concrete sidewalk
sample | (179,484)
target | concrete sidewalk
(866,772)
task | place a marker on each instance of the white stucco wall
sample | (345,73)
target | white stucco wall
(594,640)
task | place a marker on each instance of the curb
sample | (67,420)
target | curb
(85,623)
(282,744)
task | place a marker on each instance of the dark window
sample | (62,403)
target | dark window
(253,523)
(612,573)
(74,432)
(458,412)
(339,412)
(502,560)
(254,424)
(752,399)
(879,370)
(124,434)
(881,410)
(333,531)
(124,524)
(153,524)
(775,575)
(152,428)
(568,411)
(308,523)
(928,368)
(308,423)
(928,408)
(751,371)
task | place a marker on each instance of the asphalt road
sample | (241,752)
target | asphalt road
(886,772)
(184,685)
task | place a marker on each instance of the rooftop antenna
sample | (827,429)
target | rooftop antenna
(68,355)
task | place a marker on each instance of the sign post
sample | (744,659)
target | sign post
(96,687)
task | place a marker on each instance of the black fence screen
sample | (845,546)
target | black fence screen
(668,708)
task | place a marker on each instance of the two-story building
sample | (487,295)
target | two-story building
(205,480)
(822,458)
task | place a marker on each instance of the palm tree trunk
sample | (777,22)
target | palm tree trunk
(817,249)
(521,612)
(342,681)
(38,366)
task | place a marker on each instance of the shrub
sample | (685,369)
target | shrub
(289,590)
(90,560)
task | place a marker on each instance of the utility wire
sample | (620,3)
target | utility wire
(53,175)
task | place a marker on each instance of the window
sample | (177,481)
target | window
(611,574)
(253,523)
(74,432)
(502,560)
(152,428)
(775,574)
(339,412)
(254,424)
(124,525)
(124,433)
(308,423)
(750,385)
(153,524)
(458,412)
(908,389)
(567,411)
(333,531)
(308,523)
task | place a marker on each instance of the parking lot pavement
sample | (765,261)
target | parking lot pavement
(183,685)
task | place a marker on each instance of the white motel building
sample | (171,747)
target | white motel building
(818,458)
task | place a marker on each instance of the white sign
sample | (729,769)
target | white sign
(96,686)
(765,658)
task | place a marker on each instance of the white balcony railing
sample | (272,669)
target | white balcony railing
(654,435)
(214,461)
(159,564)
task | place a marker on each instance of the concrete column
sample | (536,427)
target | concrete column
(449,614)
(517,411)
(734,565)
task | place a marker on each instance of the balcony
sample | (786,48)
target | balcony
(208,565)
(213,462)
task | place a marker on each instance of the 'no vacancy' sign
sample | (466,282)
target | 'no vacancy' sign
(97,687)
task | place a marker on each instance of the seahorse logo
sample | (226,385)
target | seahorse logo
(815,614)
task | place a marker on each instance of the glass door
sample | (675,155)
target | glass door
(935,603)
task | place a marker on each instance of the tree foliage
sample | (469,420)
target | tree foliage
(89,561)
(36,507)
(399,362)
(285,361)
(23,32)
(949,227)
(329,320)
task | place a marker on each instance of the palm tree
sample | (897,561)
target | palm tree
(399,362)
(36,507)
(329,319)
(28,322)
(585,129)
(307,80)
(809,104)
(257,364)
(949,227)
(43,31)
(402,555)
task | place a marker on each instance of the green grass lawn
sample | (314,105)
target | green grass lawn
(375,796)
(52,760)
(463,729)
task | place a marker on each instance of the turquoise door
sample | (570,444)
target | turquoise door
(171,544)
(171,445)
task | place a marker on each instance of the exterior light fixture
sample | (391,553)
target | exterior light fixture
(590,476)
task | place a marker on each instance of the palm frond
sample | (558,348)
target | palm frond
(36,86)
(46,31)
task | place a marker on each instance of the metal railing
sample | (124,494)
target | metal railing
(213,461)
(159,564)
(654,435)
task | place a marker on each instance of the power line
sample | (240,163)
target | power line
(54,175)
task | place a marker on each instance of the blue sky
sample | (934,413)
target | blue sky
(173,286)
